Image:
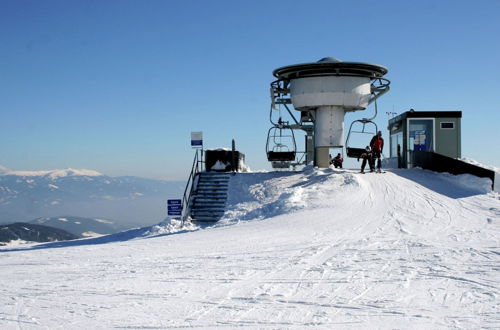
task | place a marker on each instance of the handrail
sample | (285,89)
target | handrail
(190,185)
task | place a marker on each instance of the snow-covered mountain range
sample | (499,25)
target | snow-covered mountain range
(131,201)
(82,227)
(318,249)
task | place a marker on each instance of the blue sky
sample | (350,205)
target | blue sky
(117,86)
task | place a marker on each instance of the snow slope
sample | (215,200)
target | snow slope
(320,248)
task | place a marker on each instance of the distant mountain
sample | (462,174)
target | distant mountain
(130,201)
(33,233)
(82,227)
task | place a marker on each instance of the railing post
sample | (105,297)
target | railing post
(189,188)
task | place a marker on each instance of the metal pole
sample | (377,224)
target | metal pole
(234,156)
(201,157)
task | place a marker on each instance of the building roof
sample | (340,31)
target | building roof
(426,114)
(330,66)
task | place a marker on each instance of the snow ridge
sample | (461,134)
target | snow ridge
(52,174)
(265,195)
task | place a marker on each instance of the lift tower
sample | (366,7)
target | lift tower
(323,92)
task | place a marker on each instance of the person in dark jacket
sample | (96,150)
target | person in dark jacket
(377,146)
(367,158)
(337,161)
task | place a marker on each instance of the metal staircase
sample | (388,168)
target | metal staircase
(209,199)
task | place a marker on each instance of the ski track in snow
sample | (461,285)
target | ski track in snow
(320,248)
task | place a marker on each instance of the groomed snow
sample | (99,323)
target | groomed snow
(315,249)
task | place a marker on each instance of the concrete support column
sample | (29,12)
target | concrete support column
(322,157)
(328,132)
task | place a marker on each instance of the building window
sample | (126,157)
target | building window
(448,125)
(421,134)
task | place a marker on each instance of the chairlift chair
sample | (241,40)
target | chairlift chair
(281,147)
(354,152)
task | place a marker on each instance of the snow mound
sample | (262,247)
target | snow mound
(469,181)
(474,162)
(264,195)
(169,226)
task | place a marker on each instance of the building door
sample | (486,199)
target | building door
(396,151)
(420,136)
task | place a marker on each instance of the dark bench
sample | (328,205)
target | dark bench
(355,152)
(276,156)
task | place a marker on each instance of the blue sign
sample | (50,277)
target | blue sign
(196,139)
(196,143)
(174,207)
(175,213)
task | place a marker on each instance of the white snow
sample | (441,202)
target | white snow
(52,174)
(408,249)
(62,219)
(218,166)
(90,233)
(14,243)
(104,221)
(474,162)
(53,186)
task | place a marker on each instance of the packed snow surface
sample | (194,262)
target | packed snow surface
(320,249)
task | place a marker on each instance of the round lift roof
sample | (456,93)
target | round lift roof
(330,66)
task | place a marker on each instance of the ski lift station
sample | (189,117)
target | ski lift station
(321,93)
(313,98)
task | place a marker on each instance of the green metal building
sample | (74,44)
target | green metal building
(435,131)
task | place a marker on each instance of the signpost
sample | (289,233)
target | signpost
(197,143)
(174,207)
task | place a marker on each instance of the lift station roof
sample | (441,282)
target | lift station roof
(330,66)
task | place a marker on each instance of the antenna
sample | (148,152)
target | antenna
(391,114)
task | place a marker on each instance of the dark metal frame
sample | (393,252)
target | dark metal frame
(190,185)
(356,152)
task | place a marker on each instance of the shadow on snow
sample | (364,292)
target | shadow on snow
(452,186)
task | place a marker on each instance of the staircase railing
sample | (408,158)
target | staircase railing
(190,185)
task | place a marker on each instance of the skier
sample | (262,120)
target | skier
(377,146)
(337,161)
(367,157)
